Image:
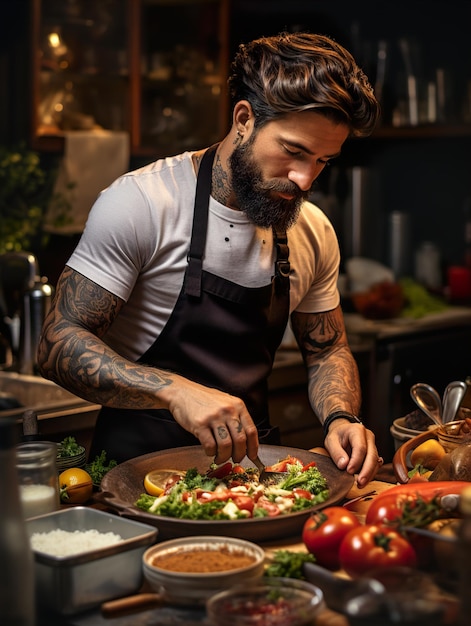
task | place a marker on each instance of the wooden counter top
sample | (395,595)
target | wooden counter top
(190,617)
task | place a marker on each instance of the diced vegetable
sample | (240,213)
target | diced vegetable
(230,492)
(288,564)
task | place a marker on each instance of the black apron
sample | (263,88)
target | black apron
(219,334)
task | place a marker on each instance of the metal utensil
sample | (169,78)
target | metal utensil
(452,398)
(263,473)
(428,400)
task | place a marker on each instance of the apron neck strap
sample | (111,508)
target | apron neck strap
(200,223)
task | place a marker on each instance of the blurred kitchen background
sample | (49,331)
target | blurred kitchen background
(92,88)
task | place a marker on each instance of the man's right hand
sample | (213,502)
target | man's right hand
(220,421)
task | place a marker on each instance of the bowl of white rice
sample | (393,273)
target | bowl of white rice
(84,557)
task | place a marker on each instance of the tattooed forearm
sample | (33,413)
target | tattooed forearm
(334,382)
(72,354)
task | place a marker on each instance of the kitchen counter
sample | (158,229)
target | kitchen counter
(171,615)
(360,330)
(191,616)
(391,356)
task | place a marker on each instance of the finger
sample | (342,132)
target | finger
(372,463)
(252,443)
(245,440)
(224,442)
(239,439)
(208,442)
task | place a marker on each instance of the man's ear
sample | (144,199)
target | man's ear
(243,117)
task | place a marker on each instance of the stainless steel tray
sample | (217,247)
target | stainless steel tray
(68,585)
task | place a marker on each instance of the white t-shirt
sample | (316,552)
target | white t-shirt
(136,240)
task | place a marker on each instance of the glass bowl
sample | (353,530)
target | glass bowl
(269,602)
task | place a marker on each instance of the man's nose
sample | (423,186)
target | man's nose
(303,177)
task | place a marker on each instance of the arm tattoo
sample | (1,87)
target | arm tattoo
(334,382)
(72,353)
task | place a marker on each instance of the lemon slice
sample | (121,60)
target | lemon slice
(157,480)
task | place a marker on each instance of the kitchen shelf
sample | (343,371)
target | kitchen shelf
(124,65)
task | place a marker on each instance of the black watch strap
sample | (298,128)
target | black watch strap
(345,415)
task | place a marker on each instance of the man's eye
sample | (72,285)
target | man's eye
(294,153)
(325,162)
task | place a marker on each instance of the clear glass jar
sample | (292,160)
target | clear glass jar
(38,477)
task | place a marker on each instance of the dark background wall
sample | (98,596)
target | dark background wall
(426,176)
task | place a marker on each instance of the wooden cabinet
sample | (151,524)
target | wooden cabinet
(154,68)
(158,68)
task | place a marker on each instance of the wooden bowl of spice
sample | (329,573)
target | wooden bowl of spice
(191,569)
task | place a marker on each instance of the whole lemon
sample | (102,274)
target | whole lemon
(76,486)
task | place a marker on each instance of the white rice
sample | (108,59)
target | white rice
(68,543)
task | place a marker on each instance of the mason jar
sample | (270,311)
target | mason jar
(38,477)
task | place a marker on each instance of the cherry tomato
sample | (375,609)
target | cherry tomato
(270,508)
(221,495)
(302,493)
(221,471)
(282,466)
(324,531)
(371,546)
(244,503)
(309,465)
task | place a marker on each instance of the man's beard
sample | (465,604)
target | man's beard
(258,198)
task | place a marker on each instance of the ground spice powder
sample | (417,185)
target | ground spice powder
(203,560)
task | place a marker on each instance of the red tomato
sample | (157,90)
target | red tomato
(282,466)
(311,464)
(372,546)
(222,495)
(323,533)
(244,503)
(221,471)
(270,508)
(302,493)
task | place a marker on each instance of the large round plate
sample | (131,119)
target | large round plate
(122,486)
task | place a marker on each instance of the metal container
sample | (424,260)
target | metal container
(36,304)
(400,244)
(69,585)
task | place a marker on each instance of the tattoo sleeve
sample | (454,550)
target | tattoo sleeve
(72,353)
(333,378)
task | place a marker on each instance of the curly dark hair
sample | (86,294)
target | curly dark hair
(293,72)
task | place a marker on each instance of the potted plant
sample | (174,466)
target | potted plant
(26,196)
